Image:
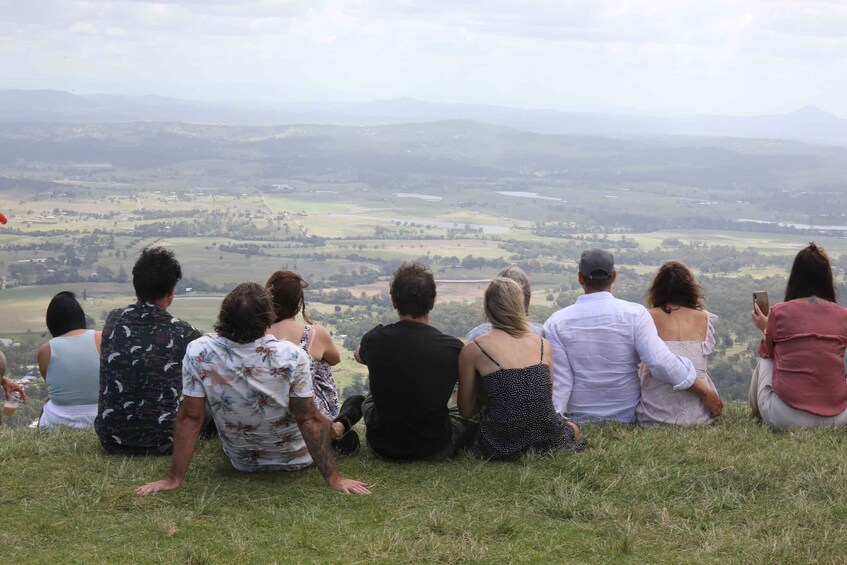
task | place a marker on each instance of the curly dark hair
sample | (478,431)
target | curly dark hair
(287,288)
(246,313)
(413,290)
(155,273)
(64,314)
(811,275)
(675,284)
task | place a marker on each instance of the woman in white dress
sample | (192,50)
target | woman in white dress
(675,301)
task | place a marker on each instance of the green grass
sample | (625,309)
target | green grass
(734,492)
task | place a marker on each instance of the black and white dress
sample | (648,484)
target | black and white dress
(520,415)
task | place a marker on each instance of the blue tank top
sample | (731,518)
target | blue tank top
(73,375)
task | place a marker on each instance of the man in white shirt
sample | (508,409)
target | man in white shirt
(597,345)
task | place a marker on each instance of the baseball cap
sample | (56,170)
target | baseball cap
(596,264)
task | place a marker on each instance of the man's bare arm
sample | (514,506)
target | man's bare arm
(186,431)
(317,433)
(708,396)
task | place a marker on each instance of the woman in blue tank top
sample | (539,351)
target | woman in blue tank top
(70,363)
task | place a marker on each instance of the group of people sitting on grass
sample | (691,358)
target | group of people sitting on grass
(151,384)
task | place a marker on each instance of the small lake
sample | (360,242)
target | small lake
(523,194)
(418,195)
(792,225)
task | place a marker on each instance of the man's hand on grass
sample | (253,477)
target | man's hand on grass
(156,487)
(349,486)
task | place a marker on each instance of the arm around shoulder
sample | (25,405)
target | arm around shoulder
(663,363)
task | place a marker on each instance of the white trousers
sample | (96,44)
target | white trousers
(774,412)
(81,416)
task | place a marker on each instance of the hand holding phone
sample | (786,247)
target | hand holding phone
(760,310)
(760,298)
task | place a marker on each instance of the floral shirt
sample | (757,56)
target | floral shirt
(248,387)
(141,378)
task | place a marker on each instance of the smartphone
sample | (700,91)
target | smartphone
(761,298)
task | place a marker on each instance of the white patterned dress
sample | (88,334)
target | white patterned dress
(660,403)
(248,387)
(326,393)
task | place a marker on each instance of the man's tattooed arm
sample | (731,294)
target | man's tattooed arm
(317,432)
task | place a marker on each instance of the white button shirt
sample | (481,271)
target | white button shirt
(597,343)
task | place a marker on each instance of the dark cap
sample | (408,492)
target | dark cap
(597,264)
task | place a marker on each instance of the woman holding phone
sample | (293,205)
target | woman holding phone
(799,381)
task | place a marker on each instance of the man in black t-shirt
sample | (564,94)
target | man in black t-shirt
(412,370)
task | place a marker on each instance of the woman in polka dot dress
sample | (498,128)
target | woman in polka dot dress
(508,374)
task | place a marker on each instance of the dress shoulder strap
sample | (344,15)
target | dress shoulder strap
(542,350)
(484,352)
(306,337)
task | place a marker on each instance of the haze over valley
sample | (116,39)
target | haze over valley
(345,204)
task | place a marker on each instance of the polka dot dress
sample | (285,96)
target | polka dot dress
(520,415)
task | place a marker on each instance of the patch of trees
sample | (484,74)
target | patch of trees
(57,271)
(705,258)
(247,249)
(148,214)
(360,276)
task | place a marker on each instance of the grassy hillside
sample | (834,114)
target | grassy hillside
(733,492)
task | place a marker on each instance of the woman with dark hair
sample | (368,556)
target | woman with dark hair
(286,288)
(70,363)
(509,371)
(799,381)
(675,303)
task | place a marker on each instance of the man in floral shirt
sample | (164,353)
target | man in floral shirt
(141,362)
(260,393)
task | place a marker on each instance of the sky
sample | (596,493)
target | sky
(657,57)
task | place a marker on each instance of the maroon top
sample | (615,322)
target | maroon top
(807,342)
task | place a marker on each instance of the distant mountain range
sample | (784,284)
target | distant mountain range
(809,124)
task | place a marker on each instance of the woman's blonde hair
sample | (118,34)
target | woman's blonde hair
(504,306)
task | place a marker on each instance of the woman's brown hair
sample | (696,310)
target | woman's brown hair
(811,275)
(286,288)
(675,284)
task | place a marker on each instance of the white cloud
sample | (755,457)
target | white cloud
(742,56)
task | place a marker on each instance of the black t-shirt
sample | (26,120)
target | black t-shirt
(413,369)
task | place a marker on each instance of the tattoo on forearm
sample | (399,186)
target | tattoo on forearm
(317,436)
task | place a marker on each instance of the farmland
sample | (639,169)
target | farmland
(344,206)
